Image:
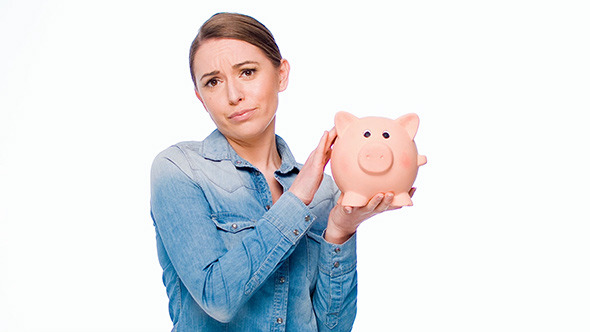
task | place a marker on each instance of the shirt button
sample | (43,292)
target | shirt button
(282,280)
(234,226)
(267,207)
(307,218)
(337,250)
(336,264)
(280,320)
(296,232)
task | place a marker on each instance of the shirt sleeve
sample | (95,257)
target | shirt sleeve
(335,297)
(218,279)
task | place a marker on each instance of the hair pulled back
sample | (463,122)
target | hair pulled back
(240,27)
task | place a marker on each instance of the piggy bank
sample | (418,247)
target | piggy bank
(373,155)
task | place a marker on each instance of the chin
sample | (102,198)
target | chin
(250,130)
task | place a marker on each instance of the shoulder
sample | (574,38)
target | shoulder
(180,157)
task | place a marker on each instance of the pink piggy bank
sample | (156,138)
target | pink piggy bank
(373,155)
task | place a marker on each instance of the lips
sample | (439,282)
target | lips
(242,115)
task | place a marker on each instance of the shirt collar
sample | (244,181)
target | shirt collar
(216,147)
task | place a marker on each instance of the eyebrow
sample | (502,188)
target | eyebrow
(247,62)
(237,65)
(213,73)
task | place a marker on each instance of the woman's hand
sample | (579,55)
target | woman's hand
(344,220)
(311,174)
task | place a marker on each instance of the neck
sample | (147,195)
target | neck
(260,151)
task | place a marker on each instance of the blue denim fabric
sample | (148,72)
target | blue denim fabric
(233,261)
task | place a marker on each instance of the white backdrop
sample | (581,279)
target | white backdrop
(498,238)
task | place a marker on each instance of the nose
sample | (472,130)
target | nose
(375,158)
(234,92)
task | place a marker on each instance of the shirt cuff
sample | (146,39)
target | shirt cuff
(299,217)
(338,259)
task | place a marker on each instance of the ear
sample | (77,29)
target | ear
(284,69)
(198,95)
(200,99)
(410,123)
(343,120)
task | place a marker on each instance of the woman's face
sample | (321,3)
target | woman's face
(238,86)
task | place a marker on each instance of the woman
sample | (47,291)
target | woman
(248,239)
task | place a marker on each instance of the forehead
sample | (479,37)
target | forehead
(215,54)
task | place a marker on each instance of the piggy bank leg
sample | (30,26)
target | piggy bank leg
(402,199)
(352,199)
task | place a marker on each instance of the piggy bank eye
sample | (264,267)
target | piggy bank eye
(367,134)
(385,135)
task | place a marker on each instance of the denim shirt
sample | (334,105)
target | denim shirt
(234,261)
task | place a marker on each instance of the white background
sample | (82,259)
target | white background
(498,238)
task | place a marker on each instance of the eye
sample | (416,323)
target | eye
(248,72)
(367,134)
(212,82)
(385,134)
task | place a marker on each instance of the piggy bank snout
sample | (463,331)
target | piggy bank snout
(375,158)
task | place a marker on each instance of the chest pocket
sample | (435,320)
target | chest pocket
(232,227)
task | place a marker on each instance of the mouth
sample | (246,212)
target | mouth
(242,115)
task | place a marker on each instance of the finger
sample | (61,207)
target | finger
(347,209)
(385,203)
(316,157)
(312,155)
(330,141)
(324,145)
(323,141)
(393,207)
(327,152)
(332,135)
(374,202)
(328,145)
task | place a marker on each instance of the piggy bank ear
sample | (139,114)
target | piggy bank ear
(343,120)
(410,123)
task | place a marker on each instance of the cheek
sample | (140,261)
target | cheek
(266,90)
(211,102)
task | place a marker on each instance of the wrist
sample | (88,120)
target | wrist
(301,197)
(336,235)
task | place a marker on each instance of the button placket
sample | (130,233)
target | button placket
(281,294)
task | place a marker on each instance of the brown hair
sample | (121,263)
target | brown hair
(240,27)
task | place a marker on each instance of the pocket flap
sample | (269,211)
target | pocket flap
(232,222)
